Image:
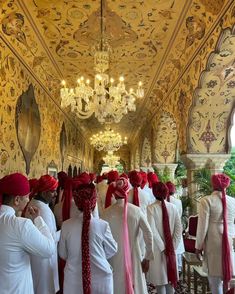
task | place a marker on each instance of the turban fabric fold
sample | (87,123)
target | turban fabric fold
(112,177)
(14,185)
(144,179)
(135,180)
(152,178)
(62,178)
(220,182)
(86,201)
(160,191)
(46,183)
(171,188)
(120,190)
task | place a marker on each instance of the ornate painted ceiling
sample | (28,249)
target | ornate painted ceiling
(153,41)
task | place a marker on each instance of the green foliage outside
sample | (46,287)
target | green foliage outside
(229,169)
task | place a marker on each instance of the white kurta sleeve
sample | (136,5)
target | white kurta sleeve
(95,212)
(177,234)
(157,238)
(147,235)
(37,240)
(110,245)
(63,252)
(203,222)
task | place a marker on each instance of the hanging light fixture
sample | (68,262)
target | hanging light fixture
(111,160)
(108,102)
(107,140)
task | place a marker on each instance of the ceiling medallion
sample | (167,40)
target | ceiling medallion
(107,101)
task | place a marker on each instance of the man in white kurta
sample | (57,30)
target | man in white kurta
(20,238)
(158,269)
(178,203)
(102,247)
(209,236)
(45,271)
(136,221)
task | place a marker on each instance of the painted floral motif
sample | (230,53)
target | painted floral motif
(207,137)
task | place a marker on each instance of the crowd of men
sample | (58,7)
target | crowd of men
(107,234)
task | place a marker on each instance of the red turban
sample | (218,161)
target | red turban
(92,176)
(120,190)
(46,183)
(86,201)
(171,188)
(123,175)
(152,178)
(33,183)
(220,182)
(99,179)
(62,177)
(105,176)
(135,180)
(14,185)
(144,179)
(84,178)
(160,191)
(112,176)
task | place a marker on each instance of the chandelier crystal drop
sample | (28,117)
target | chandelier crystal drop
(111,160)
(108,101)
(107,140)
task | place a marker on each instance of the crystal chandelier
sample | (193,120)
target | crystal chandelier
(111,160)
(107,140)
(108,102)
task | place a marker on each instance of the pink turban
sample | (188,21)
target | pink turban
(14,185)
(160,191)
(220,182)
(120,190)
(46,183)
(123,175)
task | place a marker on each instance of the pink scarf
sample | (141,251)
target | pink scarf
(120,190)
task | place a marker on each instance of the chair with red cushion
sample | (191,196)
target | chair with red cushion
(191,231)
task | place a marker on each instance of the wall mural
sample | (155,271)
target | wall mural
(137,159)
(28,125)
(213,98)
(165,138)
(63,143)
(146,154)
(15,80)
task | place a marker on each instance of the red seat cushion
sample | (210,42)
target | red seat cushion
(189,245)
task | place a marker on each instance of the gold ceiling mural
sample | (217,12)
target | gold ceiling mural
(153,41)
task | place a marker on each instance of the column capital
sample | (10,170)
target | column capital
(170,166)
(212,161)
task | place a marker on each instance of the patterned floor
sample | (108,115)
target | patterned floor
(181,289)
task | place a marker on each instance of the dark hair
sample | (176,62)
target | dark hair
(7,199)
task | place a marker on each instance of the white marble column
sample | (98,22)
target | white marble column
(193,162)
(170,166)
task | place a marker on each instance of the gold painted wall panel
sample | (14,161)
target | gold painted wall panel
(15,79)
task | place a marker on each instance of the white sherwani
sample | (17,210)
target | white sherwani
(178,203)
(158,269)
(144,199)
(102,247)
(18,239)
(210,230)
(45,271)
(136,222)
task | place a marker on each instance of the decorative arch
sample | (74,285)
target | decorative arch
(213,99)
(165,139)
(146,153)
